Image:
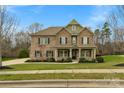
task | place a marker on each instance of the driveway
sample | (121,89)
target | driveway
(15,61)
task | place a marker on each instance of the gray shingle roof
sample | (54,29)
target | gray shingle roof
(49,31)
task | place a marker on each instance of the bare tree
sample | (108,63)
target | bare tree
(7,26)
(35,27)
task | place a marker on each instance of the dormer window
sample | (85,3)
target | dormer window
(73,27)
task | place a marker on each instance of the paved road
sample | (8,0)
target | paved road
(64,71)
(63,83)
(15,61)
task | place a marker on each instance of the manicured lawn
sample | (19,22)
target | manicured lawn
(61,76)
(110,62)
(6,59)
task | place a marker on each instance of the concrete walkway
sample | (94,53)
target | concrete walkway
(64,83)
(15,61)
(64,71)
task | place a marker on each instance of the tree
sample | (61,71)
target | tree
(34,27)
(7,26)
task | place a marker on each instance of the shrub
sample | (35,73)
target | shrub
(68,60)
(23,53)
(33,61)
(99,59)
(93,60)
(65,60)
(50,60)
(82,60)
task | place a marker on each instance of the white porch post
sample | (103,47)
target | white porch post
(55,54)
(79,52)
(70,53)
(94,53)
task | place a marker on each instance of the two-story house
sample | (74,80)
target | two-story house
(72,41)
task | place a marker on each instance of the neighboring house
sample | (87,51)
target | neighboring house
(72,41)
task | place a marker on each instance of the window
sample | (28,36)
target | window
(74,40)
(49,54)
(73,27)
(37,53)
(63,40)
(88,53)
(85,40)
(60,53)
(43,41)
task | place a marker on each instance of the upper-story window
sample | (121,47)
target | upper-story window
(63,40)
(74,40)
(43,41)
(85,40)
(74,27)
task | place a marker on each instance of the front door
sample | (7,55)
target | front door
(74,53)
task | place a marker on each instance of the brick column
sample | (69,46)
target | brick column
(70,55)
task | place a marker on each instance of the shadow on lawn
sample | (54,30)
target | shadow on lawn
(120,65)
(5,67)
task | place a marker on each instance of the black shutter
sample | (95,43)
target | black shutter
(35,53)
(87,40)
(82,41)
(60,40)
(66,40)
(39,41)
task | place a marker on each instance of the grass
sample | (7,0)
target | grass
(6,59)
(62,76)
(110,62)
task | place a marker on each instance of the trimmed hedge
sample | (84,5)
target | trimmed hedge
(50,60)
(33,61)
(84,60)
(99,59)
(65,60)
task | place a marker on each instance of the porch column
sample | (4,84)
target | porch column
(94,53)
(79,52)
(70,55)
(55,55)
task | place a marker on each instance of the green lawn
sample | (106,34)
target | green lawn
(6,59)
(110,62)
(62,76)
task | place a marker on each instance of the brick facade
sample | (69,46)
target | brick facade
(60,51)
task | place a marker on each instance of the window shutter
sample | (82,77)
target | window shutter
(39,41)
(87,40)
(66,40)
(60,40)
(82,40)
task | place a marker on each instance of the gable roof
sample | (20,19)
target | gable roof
(49,31)
(55,30)
(73,22)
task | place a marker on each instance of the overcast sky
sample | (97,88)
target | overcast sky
(60,15)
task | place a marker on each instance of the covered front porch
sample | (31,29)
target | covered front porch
(75,53)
